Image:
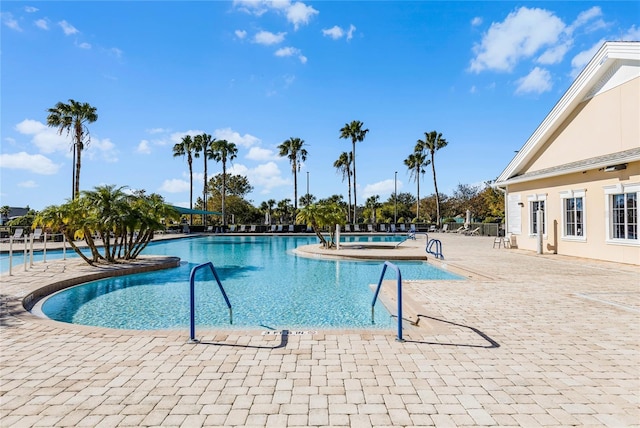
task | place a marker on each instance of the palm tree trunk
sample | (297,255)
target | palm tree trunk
(204,190)
(418,202)
(295,188)
(349,181)
(73,174)
(435,187)
(355,203)
(224,192)
(190,193)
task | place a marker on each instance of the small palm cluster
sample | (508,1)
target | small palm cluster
(123,222)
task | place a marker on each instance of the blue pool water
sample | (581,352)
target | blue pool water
(267,285)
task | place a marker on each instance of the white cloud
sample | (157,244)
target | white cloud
(337,32)
(175,186)
(246,140)
(268,38)
(633,34)
(44,137)
(10,21)
(381,188)
(521,35)
(177,137)
(555,54)
(299,13)
(581,59)
(291,51)
(259,154)
(143,148)
(115,52)
(296,13)
(101,149)
(157,130)
(68,28)
(265,176)
(42,24)
(537,81)
(29,184)
(241,34)
(476,21)
(84,45)
(586,17)
(37,164)
(30,9)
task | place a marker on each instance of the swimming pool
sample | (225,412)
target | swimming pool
(268,286)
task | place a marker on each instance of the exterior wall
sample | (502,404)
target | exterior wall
(604,124)
(594,244)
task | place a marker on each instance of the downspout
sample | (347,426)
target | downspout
(506,208)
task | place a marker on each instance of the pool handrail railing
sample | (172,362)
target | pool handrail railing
(192,337)
(399,288)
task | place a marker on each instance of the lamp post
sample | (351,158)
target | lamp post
(395,197)
(307,187)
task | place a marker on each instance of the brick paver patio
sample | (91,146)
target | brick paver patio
(527,340)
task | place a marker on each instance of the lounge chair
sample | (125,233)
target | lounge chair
(370,228)
(252,229)
(17,235)
(412,228)
(279,228)
(209,229)
(232,228)
(461,229)
(347,228)
(474,232)
(37,234)
(445,228)
(383,227)
(393,228)
(356,228)
(403,228)
(433,228)
(291,228)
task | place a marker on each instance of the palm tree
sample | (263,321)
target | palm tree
(355,132)
(433,142)
(74,117)
(4,212)
(223,151)
(203,144)
(292,148)
(415,164)
(343,165)
(187,147)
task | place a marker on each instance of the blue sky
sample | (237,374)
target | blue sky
(256,73)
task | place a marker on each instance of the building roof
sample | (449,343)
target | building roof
(592,79)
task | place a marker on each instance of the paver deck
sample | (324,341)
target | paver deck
(527,340)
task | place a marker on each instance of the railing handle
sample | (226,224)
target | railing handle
(399,288)
(192,331)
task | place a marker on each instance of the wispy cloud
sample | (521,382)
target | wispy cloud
(290,51)
(43,24)
(67,28)
(30,9)
(143,147)
(37,164)
(296,13)
(337,32)
(9,21)
(537,81)
(241,34)
(268,38)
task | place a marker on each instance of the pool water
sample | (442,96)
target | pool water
(267,284)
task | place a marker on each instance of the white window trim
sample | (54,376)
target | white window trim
(612,190)
(533,198)
(568,194)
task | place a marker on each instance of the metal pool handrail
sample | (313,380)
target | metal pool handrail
(375,296)
(193,297)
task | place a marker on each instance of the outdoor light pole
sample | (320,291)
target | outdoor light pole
(395,197)
(307,187)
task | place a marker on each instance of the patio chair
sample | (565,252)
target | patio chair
(445,228)
(356,228)
(403,228)
(279,228)
(347,227)
(383,227)
(369,228)
(474,232)
(433,228)
(252,229)
(232,228)
(17,235)
(291,228)
(393,228)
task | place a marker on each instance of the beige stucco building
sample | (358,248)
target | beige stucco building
(581,166)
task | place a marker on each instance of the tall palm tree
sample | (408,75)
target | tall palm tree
(343,165)
(187,147)
(433,142)
(73,117)
(415,163)
(203,143)
(223,151)
(292,149)
(354,132)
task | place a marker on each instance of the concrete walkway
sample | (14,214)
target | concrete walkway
(526,340)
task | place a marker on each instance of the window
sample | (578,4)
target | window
(537,202)
(573,219)
(622,213)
